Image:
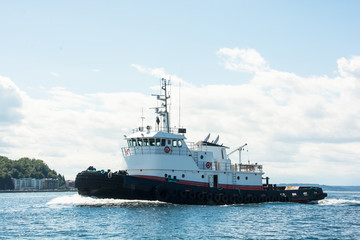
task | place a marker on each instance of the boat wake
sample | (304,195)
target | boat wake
(345,202)
(83,201)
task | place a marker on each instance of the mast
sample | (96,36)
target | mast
(162,111)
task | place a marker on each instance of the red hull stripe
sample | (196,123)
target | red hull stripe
(201,184)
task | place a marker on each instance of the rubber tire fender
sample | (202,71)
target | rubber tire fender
(200,196)
(233,199)
(240,199)
(183,194)
(209,196)
(224,198)
(161,193)
(217,198)
(192,195)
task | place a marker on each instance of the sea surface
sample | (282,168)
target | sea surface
(70,216)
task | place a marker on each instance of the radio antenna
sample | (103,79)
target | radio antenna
(142,117)
(179,102)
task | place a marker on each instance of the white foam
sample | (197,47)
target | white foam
(79,200)
(338,202)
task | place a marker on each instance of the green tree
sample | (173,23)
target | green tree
(25,168)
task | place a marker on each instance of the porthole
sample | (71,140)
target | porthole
(174,177)
(202,176)
(183,175)
(246,178)
(165,175)
(201,157)
(238,178)
(172,170)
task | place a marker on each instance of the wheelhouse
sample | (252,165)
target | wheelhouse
(154,142)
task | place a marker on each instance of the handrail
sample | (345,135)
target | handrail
(173,130)
(128,151)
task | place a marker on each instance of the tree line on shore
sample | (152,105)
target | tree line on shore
(25,168)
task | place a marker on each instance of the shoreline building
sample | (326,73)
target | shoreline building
(23,184)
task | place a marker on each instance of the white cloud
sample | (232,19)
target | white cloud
(244,60)
(349,67)
(10,101)
(54,74)
(71,131)
(301,129)
(160,73)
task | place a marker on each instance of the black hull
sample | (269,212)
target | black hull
(119,185)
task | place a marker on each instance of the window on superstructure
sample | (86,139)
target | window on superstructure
(169,142)
(140,142)
(163,142)
(157,142)
(146,142)
(179,143)
(222,153)
(134,143)
(129,143)
(174,143)
(152,141)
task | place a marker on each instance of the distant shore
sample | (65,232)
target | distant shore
(32,191)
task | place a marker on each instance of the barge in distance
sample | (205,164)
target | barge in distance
(162,166)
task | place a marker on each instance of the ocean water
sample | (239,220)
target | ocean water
(70,216)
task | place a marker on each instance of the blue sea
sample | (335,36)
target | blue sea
(70,216)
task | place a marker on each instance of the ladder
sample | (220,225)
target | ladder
(195,157)
(234,179)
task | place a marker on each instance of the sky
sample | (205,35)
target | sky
(281,76)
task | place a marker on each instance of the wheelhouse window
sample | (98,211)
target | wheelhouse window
(163,141)
(146,142)
(134,143)
(179,143)
(140,142)
(152,141)
(157,142)
(174,143)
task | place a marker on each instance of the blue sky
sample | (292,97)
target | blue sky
(75,58)
(73,38)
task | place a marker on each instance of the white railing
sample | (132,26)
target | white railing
(246,167)
(193,147)
(219,166)
(159,150)
(161,129)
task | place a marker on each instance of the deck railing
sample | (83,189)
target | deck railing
(219,166)
(160,150)
(173,130)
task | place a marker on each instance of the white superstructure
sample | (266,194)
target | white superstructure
(164,154)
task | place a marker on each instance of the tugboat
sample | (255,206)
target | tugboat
(162,166)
